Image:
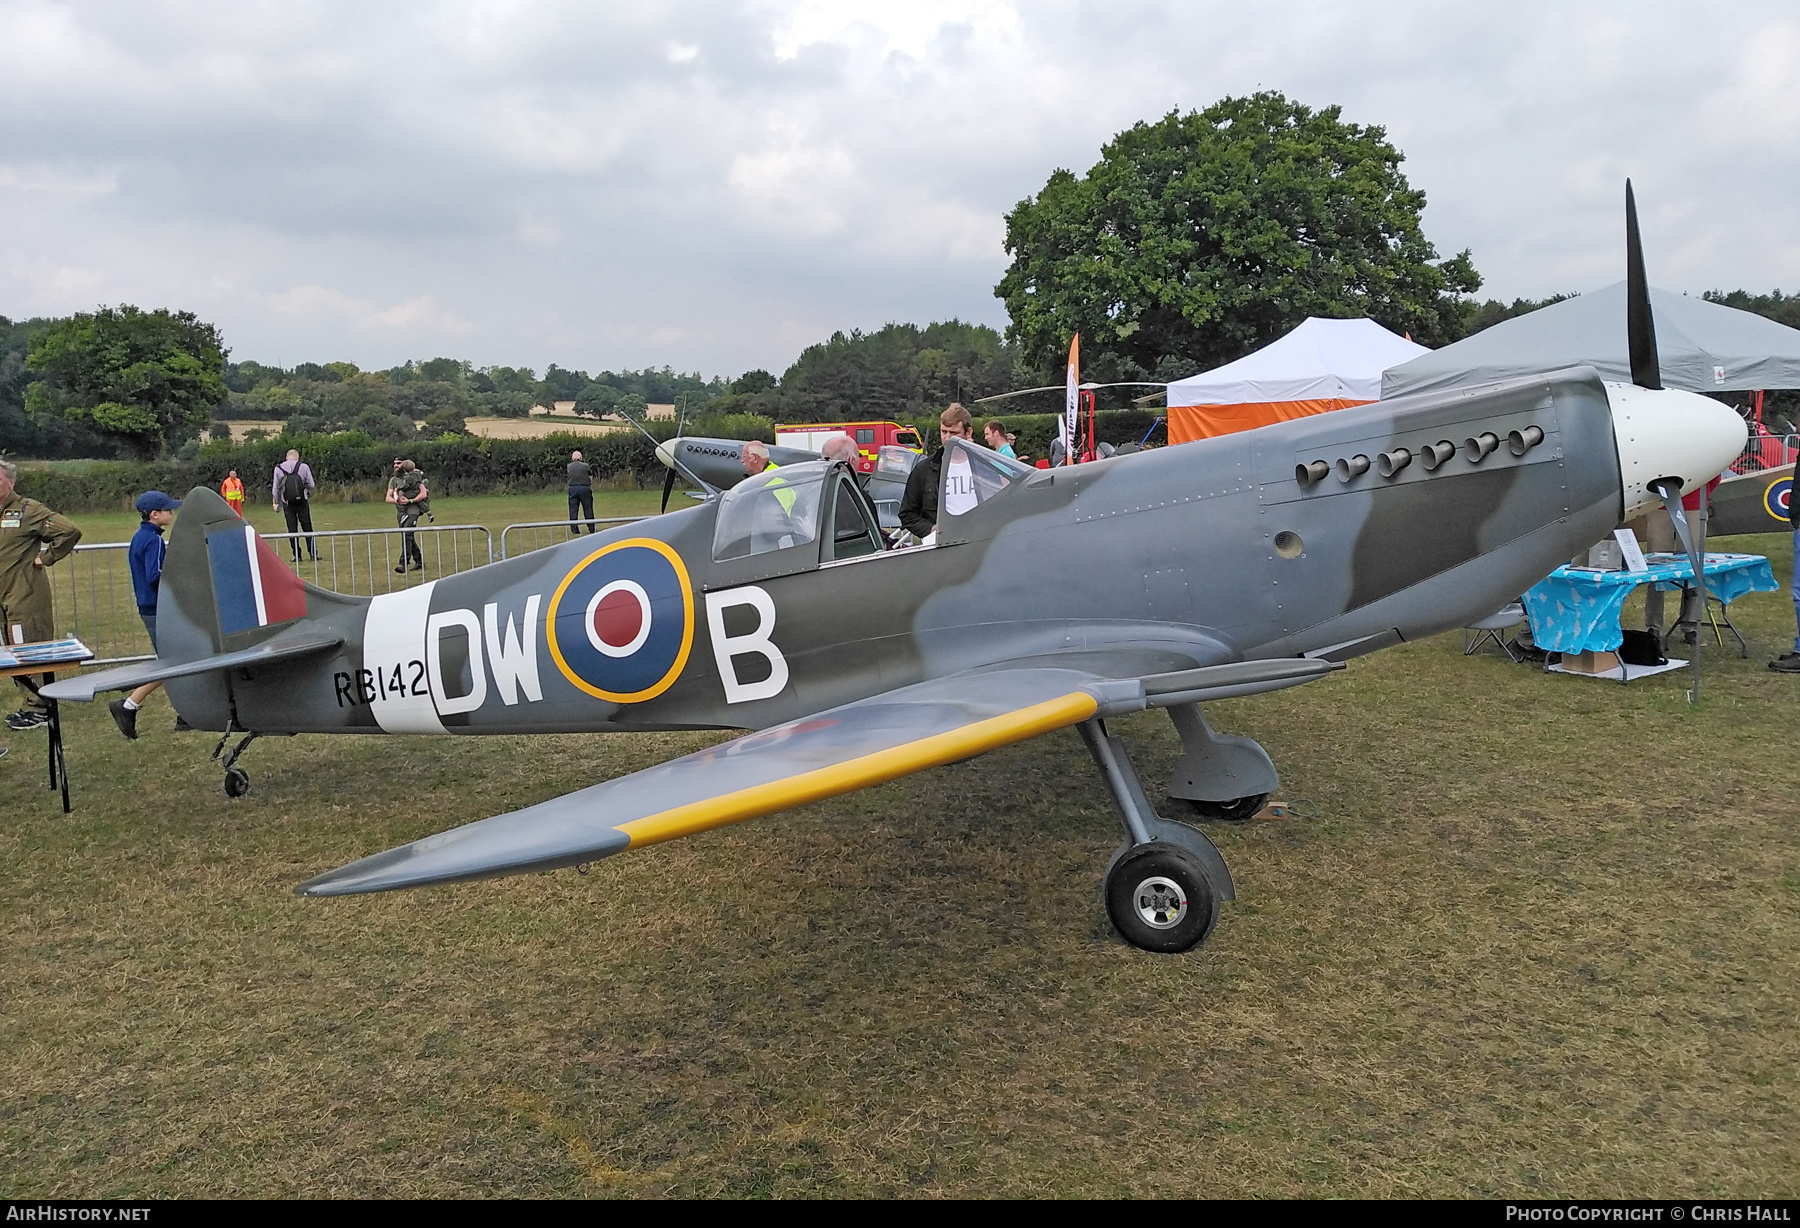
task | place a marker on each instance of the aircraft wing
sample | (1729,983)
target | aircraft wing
(859,744)
(851,747)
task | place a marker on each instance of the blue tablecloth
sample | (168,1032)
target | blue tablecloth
(1574,609)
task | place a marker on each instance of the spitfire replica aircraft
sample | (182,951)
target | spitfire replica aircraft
(1048,599)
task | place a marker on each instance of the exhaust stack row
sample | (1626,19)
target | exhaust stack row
(1476,448)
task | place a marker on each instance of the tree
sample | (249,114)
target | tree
(752,382)
(383,427)
(444,422)
(560,385)
(901,370)
(1201,237)
(444,370)
(1779,307)
(597,400)
(142,377)
(1494,311)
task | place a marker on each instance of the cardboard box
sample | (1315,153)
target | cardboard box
(1590,662)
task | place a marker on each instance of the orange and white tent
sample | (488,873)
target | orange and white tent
(1321,366)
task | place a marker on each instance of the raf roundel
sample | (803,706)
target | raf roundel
(621,624)
(1778,497)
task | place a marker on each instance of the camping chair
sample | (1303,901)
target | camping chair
(1482,630)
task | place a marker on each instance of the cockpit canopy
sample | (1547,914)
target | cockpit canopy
(973,474)
(771,510)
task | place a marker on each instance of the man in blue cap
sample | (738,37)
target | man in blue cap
(147,550)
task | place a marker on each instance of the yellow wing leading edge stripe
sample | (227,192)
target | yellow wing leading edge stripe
(878,768)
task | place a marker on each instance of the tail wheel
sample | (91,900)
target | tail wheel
(1160,899)
(237,782)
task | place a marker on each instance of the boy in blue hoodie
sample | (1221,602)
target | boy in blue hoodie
(147,550)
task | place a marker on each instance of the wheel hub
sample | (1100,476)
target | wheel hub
(1160,902)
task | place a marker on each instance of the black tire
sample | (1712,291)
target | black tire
(1160,899)
(237,782)
(1238,810)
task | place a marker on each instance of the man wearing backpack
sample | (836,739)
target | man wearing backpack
(290,492)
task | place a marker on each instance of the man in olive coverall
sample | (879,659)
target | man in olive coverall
(32,537)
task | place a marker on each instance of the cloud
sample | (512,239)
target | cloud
(419,315)
(714,185)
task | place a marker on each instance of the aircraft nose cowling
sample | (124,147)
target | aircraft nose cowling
(1668,433)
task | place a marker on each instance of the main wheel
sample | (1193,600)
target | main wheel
(1160,899)
(1238,810)
(237,782)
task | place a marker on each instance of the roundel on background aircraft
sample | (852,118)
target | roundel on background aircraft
(1778,497)
(621,623)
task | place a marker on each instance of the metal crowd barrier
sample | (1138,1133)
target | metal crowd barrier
(550,532)
(1766,452)
(366,562)
(92,597)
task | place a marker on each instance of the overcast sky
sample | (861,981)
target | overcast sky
(714,186)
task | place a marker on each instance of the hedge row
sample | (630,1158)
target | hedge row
(347,464)
(350,464)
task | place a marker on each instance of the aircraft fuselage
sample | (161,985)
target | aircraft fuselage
(1209,552)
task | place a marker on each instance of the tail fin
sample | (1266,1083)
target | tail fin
(226,602)
(223,589)
(225,592)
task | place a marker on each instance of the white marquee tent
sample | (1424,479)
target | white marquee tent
(1320,366)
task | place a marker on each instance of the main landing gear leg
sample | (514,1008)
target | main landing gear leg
(237,780)
(1220,776)
(1165,883)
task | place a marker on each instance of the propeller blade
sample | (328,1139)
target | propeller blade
(1669,490)
(1021,392)
(1001,396)
(1640,327)
(668,487)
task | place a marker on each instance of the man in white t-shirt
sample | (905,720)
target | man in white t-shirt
(959,483)
(918,506)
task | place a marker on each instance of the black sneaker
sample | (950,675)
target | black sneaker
(1786,663)
(125,718)
(402,569)
(181,725)
(27,718)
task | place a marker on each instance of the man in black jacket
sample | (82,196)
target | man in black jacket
(581,494)
(919,506)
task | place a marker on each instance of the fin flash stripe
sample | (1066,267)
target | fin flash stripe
(873,769)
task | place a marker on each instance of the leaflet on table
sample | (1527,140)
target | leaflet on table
(1628,547)
(49,652)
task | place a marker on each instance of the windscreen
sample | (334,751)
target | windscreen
(896,462)
(773,510)
(973,475)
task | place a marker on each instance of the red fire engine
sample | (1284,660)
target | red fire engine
(870,438)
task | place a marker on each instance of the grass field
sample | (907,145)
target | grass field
(1540,940)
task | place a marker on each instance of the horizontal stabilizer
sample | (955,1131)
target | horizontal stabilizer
(299,641)
(851,747)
